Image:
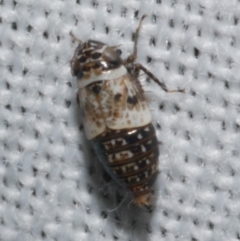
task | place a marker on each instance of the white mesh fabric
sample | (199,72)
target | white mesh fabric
(51,186)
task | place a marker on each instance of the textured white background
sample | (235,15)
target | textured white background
(51,186)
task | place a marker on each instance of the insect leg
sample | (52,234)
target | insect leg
(139,67)
(131,58)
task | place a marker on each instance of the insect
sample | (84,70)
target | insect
(116,116)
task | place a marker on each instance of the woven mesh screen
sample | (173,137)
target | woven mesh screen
(51,184)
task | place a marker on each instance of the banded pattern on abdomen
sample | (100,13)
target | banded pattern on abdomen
(130,156)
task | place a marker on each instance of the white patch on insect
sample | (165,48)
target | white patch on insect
(146,129)
(143,148)
(136,167)
(122,140)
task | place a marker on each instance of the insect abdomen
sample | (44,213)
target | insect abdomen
(130,156)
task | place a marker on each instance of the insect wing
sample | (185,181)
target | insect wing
(93,120)
(128,107)
(117,104)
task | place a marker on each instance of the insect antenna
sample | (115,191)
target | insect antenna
(75,38)
(131,58)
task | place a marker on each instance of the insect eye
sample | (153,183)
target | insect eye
(111,56)
(119,51)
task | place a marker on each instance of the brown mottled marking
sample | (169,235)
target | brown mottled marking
(86,68)
(132,100)
(96,89)
(117,97)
